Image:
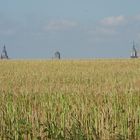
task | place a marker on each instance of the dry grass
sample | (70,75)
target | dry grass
(70,100)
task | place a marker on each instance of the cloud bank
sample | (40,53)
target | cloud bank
(59,25)
(113,21)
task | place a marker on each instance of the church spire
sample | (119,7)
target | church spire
(134,51)
(4,53)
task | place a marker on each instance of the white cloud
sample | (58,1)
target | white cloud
(113,21)
(58,25)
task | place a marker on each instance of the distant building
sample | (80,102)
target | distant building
(134,52)
(57,55)
(4,54)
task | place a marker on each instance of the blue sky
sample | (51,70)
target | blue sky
(76,28)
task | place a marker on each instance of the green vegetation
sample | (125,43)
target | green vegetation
(70,100)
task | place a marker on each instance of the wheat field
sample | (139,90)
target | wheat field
(70,99)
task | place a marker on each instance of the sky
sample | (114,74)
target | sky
(78,29)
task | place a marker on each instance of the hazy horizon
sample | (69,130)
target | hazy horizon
(77,29)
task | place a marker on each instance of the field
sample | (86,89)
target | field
(70,99)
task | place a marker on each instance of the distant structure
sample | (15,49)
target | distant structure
(57,55)
(134,52)
(4,53)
